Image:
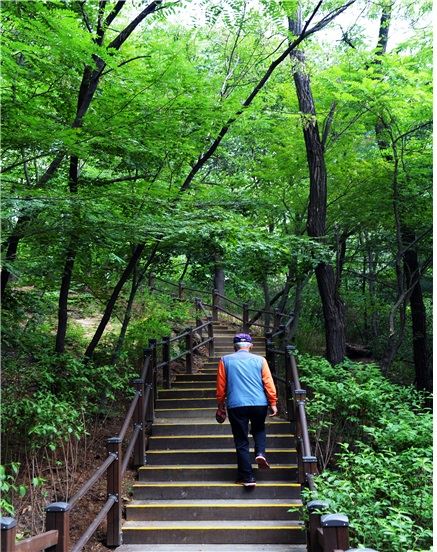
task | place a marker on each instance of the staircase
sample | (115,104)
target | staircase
(186,499)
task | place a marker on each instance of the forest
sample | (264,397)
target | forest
(279,152)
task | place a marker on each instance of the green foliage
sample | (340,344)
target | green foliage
(161,314)
(8,487)
(382,469)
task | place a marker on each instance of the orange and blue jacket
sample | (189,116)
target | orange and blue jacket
(244,379)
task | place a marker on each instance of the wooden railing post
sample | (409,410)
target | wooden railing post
(276,319)
(215,303)
(245,317)
(189,349)
(198,315)
(210,337)
(58,519)
(166,360)
(181,287)
(152,347)
(292,414)
(113,479)
(138,419)
(335,532)
(149,383)
(315,510)
(9,532)
(270,355)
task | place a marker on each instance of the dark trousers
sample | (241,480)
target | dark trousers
(239,418)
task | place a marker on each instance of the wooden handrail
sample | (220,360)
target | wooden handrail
(94,525)
(38,542)
(130,449)
(229,300)
(129,415)
(98,474)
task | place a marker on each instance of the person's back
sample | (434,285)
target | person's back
(245,383)
(244,379)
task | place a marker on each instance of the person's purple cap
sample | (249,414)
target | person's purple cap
(243,338)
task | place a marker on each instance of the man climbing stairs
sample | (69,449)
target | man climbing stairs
(186,498)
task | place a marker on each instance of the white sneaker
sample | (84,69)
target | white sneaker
(262,462)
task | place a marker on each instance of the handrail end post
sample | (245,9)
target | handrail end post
(310,464)
(58,519)
(315,509)
(9,532)
(335,531)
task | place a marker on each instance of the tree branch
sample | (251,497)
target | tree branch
(127,31)
(328,123)
(124,63)
(85,16)
(206,155)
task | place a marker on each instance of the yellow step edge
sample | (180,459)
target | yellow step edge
(190,408)
(208,484)
(195,451)
(189,399)
(213,423)
(190,389)
(211,467)
(215,527)
(212,436)
(213,505)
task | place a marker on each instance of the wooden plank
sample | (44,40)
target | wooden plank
(37,542)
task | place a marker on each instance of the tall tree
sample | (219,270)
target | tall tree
(90,81)
(328,279)
(408,267)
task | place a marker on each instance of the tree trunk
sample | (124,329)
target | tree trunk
(127,316)
(418,317)
(63,297)
(12,246)
(297,306)
(112,300)
(116,292)
(327,281)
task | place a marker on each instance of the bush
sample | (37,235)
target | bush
(381,470)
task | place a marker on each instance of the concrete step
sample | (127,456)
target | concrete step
(229,334)
(192,384)
(187,393)
(200,402)
(215,472)
(174,510)
(205,427)
(238,532)
(176,442)
(214,456)
(213,490)
(193,377)
(196,547)
(217,356)
(198,413)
